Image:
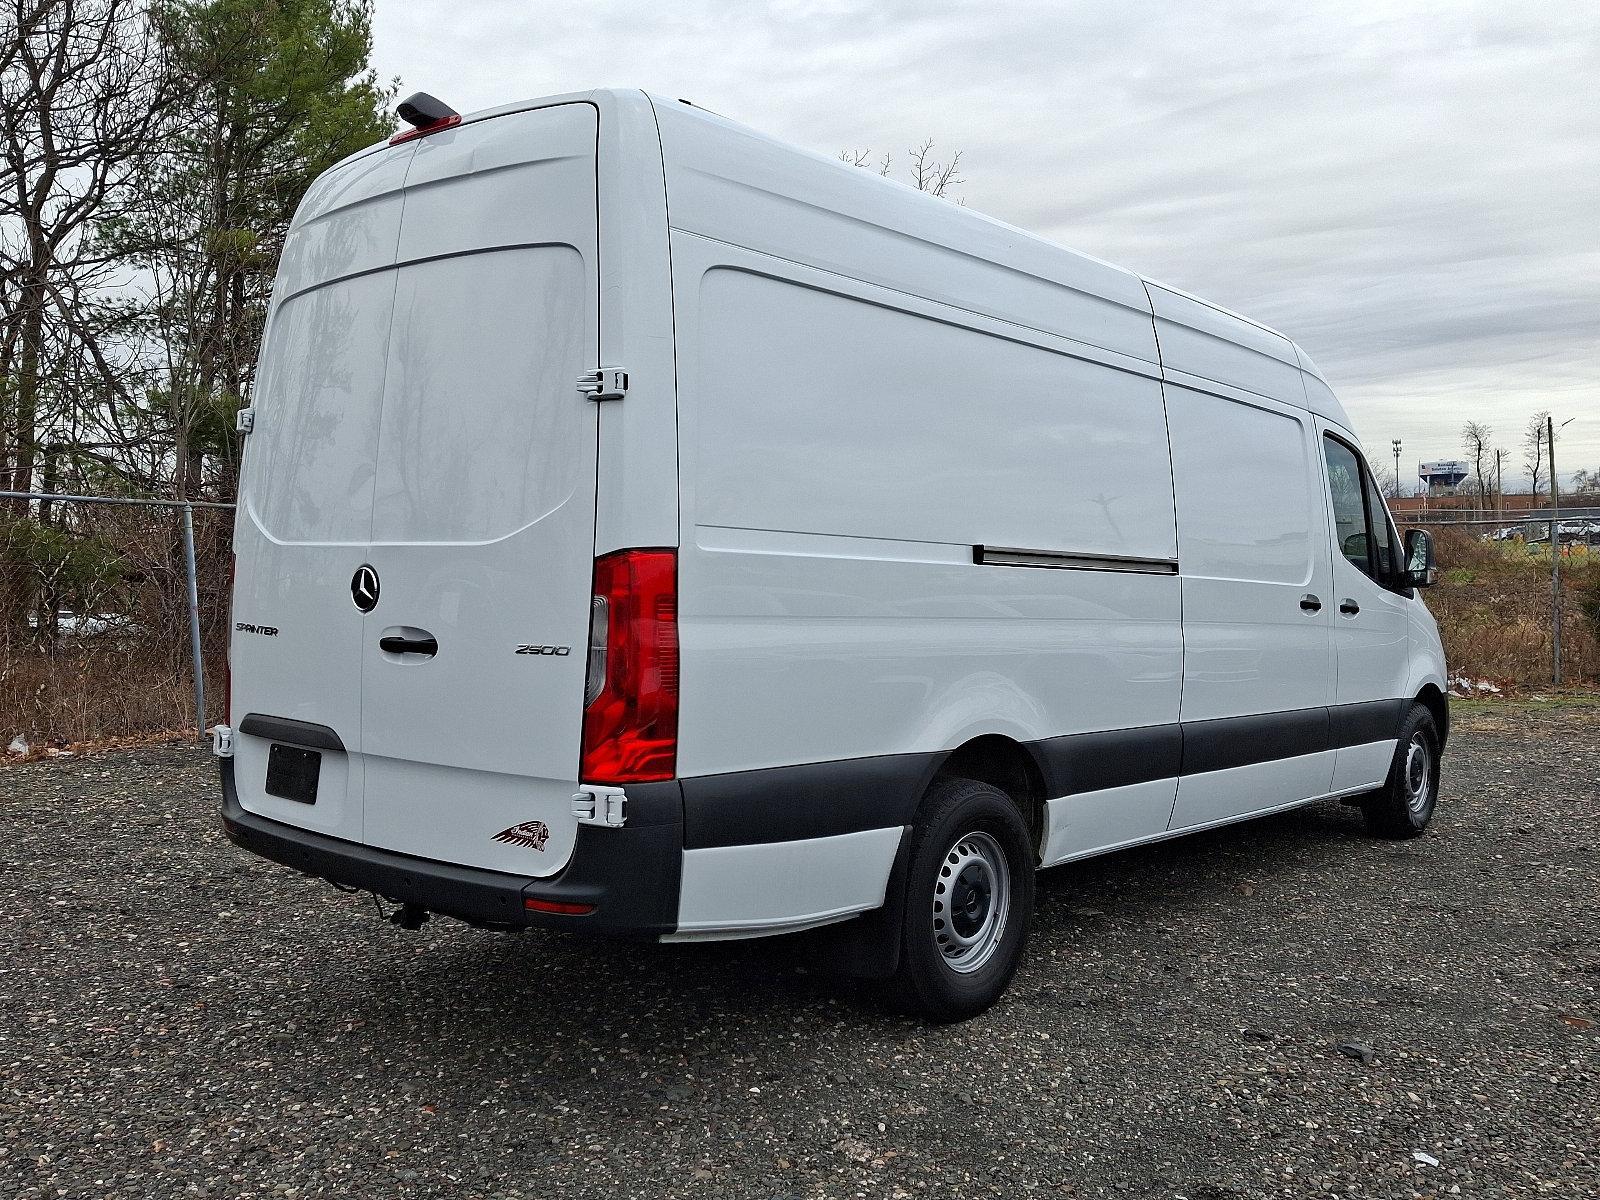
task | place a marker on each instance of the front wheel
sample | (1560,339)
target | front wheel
(1404,805)
(969,897)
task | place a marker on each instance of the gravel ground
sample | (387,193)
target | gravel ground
(182,1019)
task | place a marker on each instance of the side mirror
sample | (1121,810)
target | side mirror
(1421,571)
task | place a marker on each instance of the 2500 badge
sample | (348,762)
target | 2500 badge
(556,651)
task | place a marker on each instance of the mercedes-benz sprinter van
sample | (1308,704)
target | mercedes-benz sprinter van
(650,528)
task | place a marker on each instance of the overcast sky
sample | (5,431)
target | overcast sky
(1409,190)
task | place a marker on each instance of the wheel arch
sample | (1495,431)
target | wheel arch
(1007,764)
(1434,700)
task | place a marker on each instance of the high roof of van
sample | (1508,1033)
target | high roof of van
(699,145)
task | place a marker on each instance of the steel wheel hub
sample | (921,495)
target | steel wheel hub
(971,901)
(1418,773)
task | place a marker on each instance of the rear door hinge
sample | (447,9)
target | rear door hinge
(244,420)
(597,804)
(604,383)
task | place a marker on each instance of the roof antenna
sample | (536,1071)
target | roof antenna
(426,114)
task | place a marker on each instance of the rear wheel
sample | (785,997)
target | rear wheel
(1404,805)
(969,897)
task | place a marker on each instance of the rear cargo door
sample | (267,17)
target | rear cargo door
(483,499)
(306,503)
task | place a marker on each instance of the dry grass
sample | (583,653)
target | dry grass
(120,668)
(1493,606)
(1574,712)
(92,693)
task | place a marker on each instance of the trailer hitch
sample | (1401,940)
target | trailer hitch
(410,916)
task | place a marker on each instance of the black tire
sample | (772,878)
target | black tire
(966,833)
(1404,805)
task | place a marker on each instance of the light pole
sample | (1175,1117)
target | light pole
(1398,490)
(1555,549)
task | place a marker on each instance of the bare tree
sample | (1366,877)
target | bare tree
(1478,441)
(1534,449)
(864,159)
(926,174)
(274,94)
(81,98)
(930,175)
(1383,475)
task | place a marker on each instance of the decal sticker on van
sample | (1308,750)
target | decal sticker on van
(531,835)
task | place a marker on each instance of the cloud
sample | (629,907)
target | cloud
(1410,190)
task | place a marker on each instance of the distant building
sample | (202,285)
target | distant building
(1443,476)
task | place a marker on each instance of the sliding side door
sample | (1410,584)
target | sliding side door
(1257,590)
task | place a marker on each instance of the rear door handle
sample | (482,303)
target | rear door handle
(404,645)
(1310,603)
(1349,607)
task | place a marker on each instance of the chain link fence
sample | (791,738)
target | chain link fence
(113,618)
(114,611)
(1500,577)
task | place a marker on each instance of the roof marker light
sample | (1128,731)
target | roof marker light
(426,114)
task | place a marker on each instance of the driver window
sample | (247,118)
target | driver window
(1383,551)
(1349,512)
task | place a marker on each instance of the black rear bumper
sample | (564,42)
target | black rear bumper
(631,874)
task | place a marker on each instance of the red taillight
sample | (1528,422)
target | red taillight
(563,907)
(405,135)
(630,727)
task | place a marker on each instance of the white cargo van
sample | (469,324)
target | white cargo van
(650,528)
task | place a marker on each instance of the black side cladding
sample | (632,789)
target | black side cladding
(1373,721)
(811,800)
(1229,742)
(1088,762)
(824,799)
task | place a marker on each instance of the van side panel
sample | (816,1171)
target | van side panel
(855,413)
(733,184)
(1201,340)
(872,385)
(1252,546)
(638,506)
(846,451)
(783,887)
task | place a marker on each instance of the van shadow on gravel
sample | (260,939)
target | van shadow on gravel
(565,984)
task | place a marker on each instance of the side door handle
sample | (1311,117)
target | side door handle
(1349,607)
(1310,603)
(404,645)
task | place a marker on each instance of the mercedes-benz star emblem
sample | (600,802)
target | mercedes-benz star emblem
(364,588)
